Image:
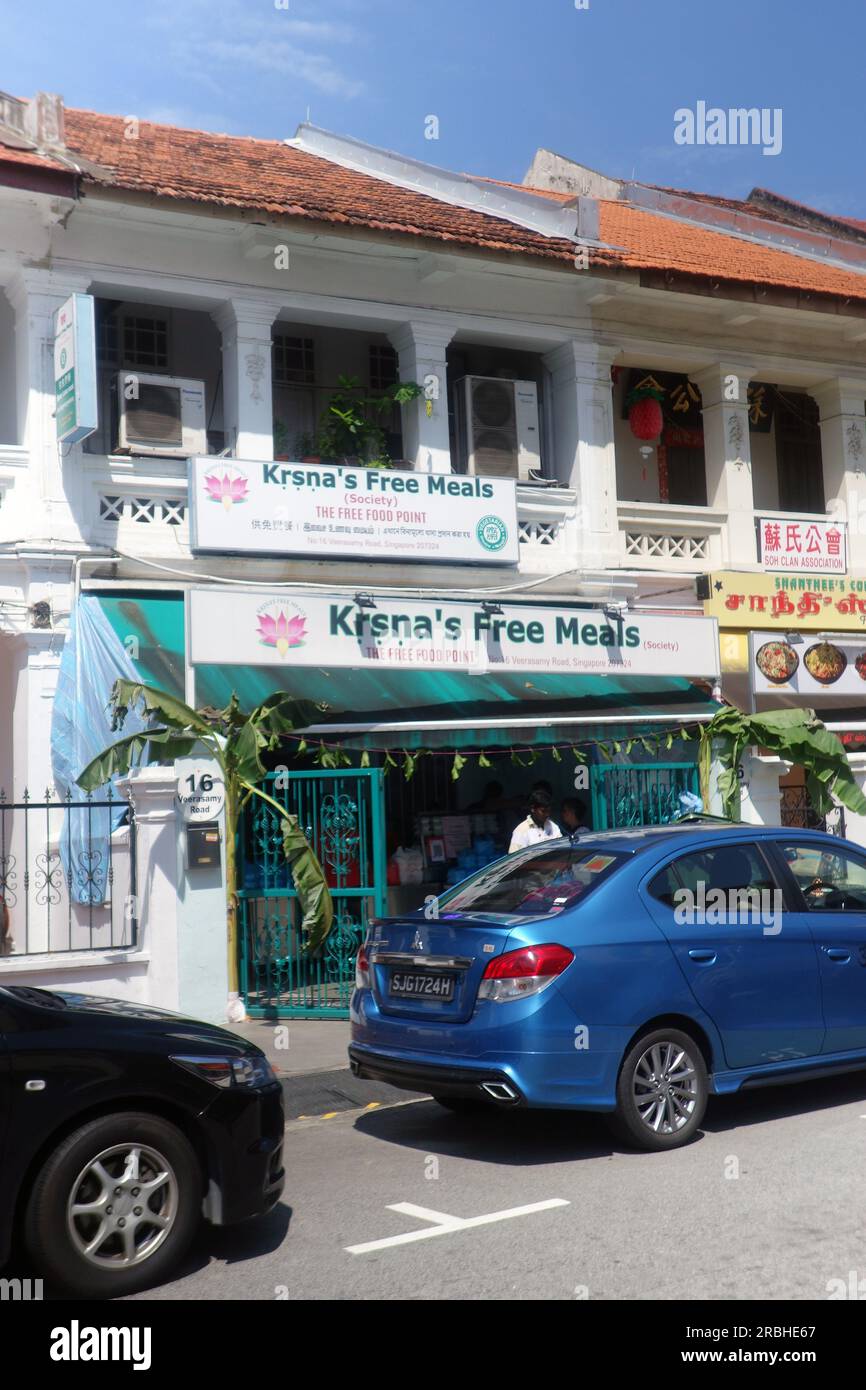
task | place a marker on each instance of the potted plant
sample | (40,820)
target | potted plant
(306,448)
(350,427)
(281,440)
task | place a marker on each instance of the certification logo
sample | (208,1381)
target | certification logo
(492,532)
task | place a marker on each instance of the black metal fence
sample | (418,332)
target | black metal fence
(67,875)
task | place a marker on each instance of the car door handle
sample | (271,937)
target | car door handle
(702,955)
(837,953)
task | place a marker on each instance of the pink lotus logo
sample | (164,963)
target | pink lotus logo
(280,631)
(227,489)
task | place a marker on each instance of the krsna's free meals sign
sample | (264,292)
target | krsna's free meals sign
(75,406)
(292,628)
(264,508)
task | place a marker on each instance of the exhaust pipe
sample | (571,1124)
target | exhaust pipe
(500,1091)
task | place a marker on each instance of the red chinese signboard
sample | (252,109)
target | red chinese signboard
(802,547)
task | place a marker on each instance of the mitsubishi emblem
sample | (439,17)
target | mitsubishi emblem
(417,944)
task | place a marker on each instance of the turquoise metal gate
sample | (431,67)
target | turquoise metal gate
(634,794)
(342,816)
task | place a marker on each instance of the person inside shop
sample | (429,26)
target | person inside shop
(538,826)
(573,816)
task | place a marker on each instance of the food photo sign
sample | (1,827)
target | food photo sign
(812,665)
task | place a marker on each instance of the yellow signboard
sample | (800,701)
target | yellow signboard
(788,602)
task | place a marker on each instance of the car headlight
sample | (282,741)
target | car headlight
(229,1072)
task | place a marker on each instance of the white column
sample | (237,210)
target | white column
(421,351)
(727,450)
(843,456)
(248,411)
(37,664)
(151,791)
(584,452)
(36,295)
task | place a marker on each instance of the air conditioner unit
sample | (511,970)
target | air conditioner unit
(160,415)
(498,427)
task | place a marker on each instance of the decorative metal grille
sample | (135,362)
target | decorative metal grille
(67,882)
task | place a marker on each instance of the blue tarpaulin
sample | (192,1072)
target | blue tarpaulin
(93,659)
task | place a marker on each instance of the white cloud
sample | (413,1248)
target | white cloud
(217,42)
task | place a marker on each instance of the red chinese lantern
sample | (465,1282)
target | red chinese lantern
(645,412)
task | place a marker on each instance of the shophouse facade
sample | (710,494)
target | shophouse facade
(252,275)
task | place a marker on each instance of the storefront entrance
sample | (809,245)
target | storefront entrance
(431,841)
(342,815)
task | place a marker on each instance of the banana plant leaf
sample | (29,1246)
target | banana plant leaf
(314,895)
(794,735)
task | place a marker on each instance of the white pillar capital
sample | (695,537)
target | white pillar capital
(582,360)
(724,383)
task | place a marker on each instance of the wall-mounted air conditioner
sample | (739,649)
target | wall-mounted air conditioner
(160,415)
(498,427)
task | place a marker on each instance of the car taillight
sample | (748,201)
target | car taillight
(517,974)
(362,970)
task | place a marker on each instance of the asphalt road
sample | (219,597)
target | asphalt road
(770,1203)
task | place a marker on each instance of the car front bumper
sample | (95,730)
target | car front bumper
(244,1135)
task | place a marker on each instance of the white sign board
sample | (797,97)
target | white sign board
(264,508)
(75,408)
(201,792)
(802,547)
(295,629)
(818,668)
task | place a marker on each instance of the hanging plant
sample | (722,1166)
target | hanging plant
(645,412)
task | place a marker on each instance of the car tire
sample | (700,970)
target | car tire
(131,1178)
(662,1091)
(461,1105)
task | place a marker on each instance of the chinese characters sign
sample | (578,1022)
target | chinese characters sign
(682,405)
(789,602)
(802,547)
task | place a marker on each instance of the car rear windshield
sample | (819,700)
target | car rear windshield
(536,883)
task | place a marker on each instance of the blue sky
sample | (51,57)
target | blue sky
(502,76)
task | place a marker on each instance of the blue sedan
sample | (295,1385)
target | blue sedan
(633,973)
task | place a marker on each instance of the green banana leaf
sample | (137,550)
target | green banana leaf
(314,895)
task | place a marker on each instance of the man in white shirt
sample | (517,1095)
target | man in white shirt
(538,826)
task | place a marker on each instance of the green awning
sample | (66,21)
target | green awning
(390,696)
(152,630)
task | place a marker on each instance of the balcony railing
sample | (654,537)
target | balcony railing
(659,536)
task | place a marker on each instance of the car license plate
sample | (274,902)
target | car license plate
(422,986)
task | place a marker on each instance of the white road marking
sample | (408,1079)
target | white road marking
(445,1225)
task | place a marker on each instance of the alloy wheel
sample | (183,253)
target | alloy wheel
(665,1087)
(122,1206)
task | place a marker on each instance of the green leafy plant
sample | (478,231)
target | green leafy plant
(305,445)
(281,439)
(236,741)
(351,426)
(794,735)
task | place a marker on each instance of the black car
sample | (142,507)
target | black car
(120,1127)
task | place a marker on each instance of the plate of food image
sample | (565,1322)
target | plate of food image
(825,663)
(860,666)
(777,661)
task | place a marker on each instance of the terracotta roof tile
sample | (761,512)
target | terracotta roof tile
(278,180)
(661,243)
